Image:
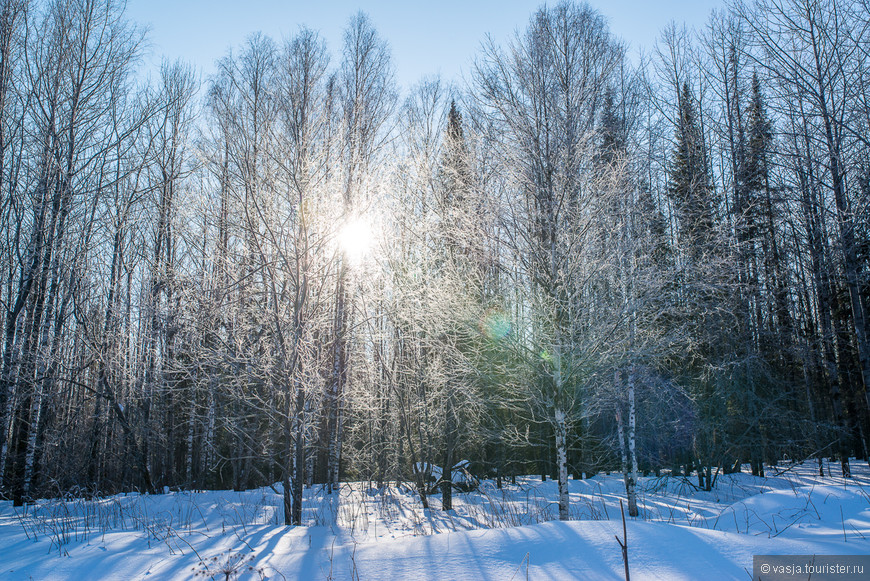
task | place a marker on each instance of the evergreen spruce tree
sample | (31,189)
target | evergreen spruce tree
(702,273)
(759,141)
(690,185)
(455,179)
(612,143)
(746,398)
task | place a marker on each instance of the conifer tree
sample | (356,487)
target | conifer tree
(461,259)
(689,185)
(702,273)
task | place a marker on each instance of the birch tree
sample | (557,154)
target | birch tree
(542,94)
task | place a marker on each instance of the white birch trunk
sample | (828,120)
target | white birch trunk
(207,444)
(191,428)
(631,488)
(11,397)
(562,459)
(620,432)
(30,456)
(335,453)
(7,427)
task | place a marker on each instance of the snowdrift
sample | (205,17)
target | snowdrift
(365,533)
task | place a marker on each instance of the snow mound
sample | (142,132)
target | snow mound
(826,511)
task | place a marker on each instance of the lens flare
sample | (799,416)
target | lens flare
(495,325)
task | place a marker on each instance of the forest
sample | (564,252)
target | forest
(295,271)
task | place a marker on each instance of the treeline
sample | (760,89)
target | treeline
(575,263)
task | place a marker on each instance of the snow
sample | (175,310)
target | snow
(367,533)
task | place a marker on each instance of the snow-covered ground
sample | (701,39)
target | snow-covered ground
(368,534)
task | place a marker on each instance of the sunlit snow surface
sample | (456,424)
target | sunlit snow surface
(365,533)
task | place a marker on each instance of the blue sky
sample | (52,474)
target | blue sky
(440,36)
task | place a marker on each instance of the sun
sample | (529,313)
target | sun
(356,239)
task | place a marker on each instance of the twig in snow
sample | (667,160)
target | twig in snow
(843,521)
(624,543)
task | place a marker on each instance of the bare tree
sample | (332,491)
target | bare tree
(366,98)
(77,71)
(543,95)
